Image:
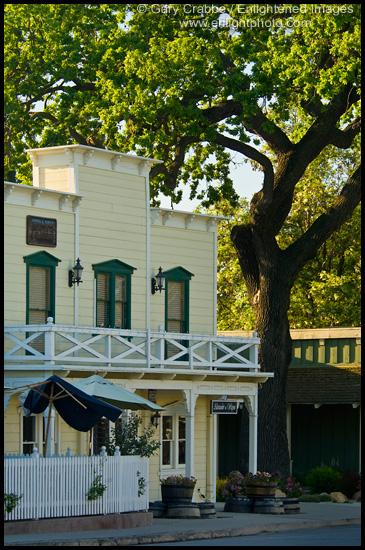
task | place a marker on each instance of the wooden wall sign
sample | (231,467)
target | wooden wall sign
(152,396)
(223,407)
(41,231)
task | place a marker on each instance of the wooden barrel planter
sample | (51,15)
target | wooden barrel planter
(291,505)
(260,489)
(207,510)
(268,506)
(183,510)
(239,505)
(158,508)
(176,493)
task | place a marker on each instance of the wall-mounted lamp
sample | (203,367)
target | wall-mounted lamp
(158,281)
(74,274)
(155,419)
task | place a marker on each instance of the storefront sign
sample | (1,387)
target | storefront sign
(152,395)
(223,407)
(41,231)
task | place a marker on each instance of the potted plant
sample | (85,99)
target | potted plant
(293,491)
(234,492)
(261,484)
(177,488)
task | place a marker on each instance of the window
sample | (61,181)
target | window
(176,304)
(173,444)
(32,433)
(103,431)
(113,294)
(177,299)
(41,291)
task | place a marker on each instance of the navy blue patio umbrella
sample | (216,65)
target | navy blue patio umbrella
(78,409)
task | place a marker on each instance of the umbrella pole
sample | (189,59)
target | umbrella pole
(90,440)
(48,420)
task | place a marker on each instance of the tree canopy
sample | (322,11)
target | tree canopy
(192,85)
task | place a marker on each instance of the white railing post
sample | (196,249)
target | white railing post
(108,349)
(35,453)
(148,348)
(254,353)
(49,343)
(160,346)
(191,358)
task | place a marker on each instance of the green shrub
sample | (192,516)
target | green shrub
(309,498)
(349,482)
(323,479)
(220,481)
(324,497)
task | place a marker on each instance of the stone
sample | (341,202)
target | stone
(279,494)
(336,496)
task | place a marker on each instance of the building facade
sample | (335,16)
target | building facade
(91,207)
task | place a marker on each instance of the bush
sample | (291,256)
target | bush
(234,487)
(350,482)
(130,441)
(323,479)
(309,498)
(220,481)
(290,487)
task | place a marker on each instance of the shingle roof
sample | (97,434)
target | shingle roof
(324,385)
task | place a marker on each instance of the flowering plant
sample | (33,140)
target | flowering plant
(179,481)
(234,487)
(262,476)
(293,489)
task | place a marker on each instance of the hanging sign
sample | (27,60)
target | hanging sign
(223,407)
(152,396)
(41,231)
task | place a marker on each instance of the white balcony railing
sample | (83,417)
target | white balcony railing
(54,344)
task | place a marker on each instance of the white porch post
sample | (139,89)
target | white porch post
(251,403)
(190,399)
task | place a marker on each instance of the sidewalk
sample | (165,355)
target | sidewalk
(312,515)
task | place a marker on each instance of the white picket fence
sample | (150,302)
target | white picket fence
(58,486)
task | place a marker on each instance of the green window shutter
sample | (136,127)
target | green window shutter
(41,291)
(175,307)
(41,287)
(177,281)
(121,305)
(103,300)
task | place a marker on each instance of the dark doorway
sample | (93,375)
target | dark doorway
(229,426)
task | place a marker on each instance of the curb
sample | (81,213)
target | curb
(192,535)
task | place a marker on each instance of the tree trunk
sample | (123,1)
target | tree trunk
(274,356)
(268,283)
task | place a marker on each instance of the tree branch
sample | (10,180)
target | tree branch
(302,250)
(73,133)
(260,125)
(171,173)
(343,138)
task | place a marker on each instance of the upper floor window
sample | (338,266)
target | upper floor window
(113,294)
(41,291)
(177,299)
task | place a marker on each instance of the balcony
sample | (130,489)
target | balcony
(63,347)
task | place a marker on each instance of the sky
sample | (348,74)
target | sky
(246,183)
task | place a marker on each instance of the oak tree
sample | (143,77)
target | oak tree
(277,84)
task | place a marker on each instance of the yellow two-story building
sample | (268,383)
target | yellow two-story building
(156,337)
